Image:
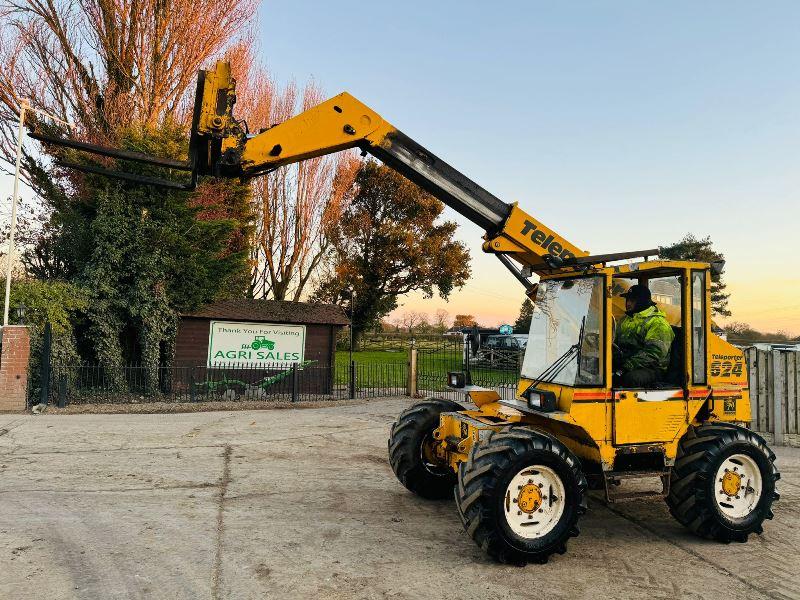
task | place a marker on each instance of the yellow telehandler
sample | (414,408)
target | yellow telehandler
(520,468)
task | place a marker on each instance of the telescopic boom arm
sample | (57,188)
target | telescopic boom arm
(344,122)
(221,146)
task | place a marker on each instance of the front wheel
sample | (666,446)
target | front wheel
(411,451)
(520,495)
(723,484)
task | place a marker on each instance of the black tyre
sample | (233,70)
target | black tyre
(723,484)
(410,450)
(520,495)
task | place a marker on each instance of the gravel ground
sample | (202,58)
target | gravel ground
(302,503)
(191,407)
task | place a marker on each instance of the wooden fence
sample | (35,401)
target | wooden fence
(775,394)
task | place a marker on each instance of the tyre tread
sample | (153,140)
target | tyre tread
(476,489)
(688,500)
(403,446)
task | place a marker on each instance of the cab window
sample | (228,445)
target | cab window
(666,292)
(698,327)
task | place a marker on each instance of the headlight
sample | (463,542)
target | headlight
(542,400)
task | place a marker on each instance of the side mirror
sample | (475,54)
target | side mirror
(717,267)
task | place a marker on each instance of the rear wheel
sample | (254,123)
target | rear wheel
(411,450)
(723,484)
(520,495)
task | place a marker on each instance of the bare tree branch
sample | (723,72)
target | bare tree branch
(103,65)
(295,205)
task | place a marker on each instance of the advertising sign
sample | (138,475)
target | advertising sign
(232,343)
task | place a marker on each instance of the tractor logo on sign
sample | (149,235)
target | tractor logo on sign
(261,341)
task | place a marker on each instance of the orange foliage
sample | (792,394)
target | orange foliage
(295,206)
(103,65)
(464,321)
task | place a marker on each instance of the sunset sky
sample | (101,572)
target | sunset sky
(623,125)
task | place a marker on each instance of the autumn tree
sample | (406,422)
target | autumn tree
(388,242)
(295,206)
(462,321)
(124,74)
(523,322)
(702,250)
(104,65)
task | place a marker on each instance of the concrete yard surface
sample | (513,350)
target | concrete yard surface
(303,504)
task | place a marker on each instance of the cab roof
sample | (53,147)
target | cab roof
(650,268)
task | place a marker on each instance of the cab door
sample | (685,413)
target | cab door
(657,414)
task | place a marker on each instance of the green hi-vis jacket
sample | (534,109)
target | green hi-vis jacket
(644,340)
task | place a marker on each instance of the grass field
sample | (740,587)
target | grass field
(386,368)
(371,357)
(377,369)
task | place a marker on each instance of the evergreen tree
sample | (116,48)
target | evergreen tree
(145,254)
(691,248)
(523,322)
(123,73)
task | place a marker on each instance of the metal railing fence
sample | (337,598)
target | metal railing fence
(421,370)
(92,383)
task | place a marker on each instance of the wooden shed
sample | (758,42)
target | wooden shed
(227,327)
(273,346)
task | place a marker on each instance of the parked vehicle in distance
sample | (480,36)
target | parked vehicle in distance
(501,351)
(506,342)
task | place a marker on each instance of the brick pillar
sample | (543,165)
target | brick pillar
(16,351)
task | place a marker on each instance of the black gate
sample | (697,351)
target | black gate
(438,355)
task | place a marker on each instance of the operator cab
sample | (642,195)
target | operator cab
(679,294)
(569,368)
(576,317)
